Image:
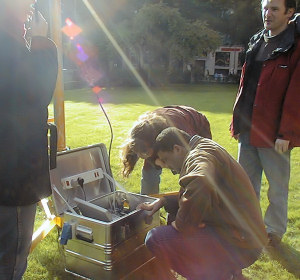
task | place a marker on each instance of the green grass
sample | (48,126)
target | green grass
(86,124)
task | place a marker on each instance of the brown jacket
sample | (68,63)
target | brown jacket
(216,191)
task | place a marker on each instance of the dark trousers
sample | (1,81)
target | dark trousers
(15,239)
(201,255)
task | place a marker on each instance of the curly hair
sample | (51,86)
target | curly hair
(142,135)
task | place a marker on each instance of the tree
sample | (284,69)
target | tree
(237,20)
(240,20)
(162,38)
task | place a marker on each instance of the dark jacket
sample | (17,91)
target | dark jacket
(276,106)
(216,191)
(27,82)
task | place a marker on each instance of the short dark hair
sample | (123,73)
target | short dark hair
(291,4)
(169,137)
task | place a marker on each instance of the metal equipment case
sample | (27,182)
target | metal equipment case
(106,231)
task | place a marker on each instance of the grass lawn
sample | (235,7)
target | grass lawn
(86,124)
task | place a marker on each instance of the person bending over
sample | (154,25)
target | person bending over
(142,138)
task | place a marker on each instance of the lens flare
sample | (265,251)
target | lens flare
(71,29)
(120,51)
(81,55)
(96,89)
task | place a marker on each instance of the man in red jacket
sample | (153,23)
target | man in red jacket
(28,70)
(266,115)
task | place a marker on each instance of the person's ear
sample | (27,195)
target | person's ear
(177,148)
(290,12)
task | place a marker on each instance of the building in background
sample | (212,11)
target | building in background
(223,65)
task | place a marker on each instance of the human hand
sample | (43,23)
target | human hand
(281,146)
(236,136)
(174,225)
(39,25)
(145,206)
(202,225)
(35,25)
(152,207)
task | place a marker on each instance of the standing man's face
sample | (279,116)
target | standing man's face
(275,16)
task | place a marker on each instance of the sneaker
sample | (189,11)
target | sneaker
(274,240)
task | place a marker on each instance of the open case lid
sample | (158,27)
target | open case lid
(88,164)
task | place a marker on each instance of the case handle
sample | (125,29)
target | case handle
(84,233)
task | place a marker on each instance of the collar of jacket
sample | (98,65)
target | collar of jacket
(287,40)
(194,141)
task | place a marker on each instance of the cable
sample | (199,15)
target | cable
(64,200)
(110,126)
(80,182)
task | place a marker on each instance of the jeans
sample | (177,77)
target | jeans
(198,255)
(277,170)
(15,240)
(150,180)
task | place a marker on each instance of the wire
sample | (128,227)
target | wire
(64,200)
(110,126)
(80,182)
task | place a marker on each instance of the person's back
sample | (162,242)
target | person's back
(186,118)
(228,202)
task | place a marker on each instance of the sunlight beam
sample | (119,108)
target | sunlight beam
(120,51)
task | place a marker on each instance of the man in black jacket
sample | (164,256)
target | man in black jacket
(28,71)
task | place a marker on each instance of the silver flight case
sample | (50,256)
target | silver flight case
(105,233)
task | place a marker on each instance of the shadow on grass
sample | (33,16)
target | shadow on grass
(287,256)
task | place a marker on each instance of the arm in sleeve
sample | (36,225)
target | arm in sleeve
(290,119)
(204,129)
(195,203)
(42,68)
(171,204)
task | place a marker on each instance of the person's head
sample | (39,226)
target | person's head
(17,10)
(172,146)
(141,140)
(13,15)
(276,14)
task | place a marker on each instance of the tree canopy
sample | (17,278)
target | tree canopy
(165,33)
